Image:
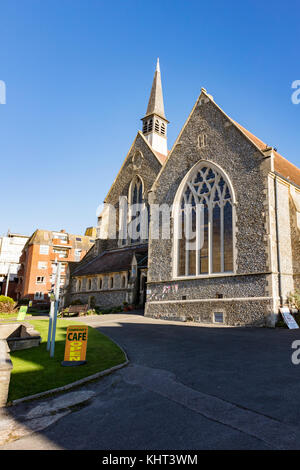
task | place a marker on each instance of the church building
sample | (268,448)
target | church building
(246,259)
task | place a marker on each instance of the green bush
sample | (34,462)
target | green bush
(7,304)
(91,311)
(117,309)
(92,302)
(105,311)
(294,299)
(23,301)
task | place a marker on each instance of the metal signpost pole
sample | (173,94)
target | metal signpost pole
(56,294)
(51,315)
(7,280)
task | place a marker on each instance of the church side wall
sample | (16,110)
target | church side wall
(248,295)
(295,237)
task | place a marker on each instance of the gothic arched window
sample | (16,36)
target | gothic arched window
(207,246)
(135,208)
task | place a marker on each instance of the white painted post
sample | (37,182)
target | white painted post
(7,280)
(56,294)
(51,316)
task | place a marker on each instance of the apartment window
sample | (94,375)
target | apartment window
(77,254)
(40,279)
(42,265)
(39,296)
(44,249)
(61,253)
(78,239)
(60,236)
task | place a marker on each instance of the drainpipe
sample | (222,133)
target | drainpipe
(278,242)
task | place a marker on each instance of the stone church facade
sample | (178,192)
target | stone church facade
(248,260)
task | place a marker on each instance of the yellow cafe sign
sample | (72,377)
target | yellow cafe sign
(76,344)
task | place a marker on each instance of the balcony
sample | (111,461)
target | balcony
(62,243)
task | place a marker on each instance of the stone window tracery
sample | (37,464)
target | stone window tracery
(206,185)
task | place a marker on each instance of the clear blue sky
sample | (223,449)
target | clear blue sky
(78,76)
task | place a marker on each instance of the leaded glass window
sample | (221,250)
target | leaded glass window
(135,208)
(207,186)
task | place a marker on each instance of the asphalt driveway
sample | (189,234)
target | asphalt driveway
(187,387)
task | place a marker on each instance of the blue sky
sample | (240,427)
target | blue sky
(78,75)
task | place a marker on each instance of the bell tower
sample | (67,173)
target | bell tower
(155,122)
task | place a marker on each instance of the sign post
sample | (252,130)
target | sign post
(56,305)
(76,344)
(51,315)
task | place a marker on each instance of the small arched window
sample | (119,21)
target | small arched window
(89,284)
(111,282)
(123,281)
(156,125)
(207,247)
(100,283)
(202,140)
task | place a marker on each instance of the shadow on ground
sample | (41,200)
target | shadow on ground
(247,367)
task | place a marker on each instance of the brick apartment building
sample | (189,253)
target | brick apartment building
(37,262)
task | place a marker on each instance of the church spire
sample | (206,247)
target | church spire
(156,101)
(155,122)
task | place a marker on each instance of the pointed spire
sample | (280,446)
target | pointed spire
(156,101)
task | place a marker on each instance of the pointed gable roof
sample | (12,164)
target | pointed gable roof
(156,101)
(281,165)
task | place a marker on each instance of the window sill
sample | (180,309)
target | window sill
(204,276)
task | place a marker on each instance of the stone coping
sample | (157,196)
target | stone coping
(5,361)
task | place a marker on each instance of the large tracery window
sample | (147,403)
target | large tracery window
(208,186)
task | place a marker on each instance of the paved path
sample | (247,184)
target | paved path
(187,387)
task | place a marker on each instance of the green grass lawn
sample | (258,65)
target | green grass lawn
(34,371)
(9,316)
